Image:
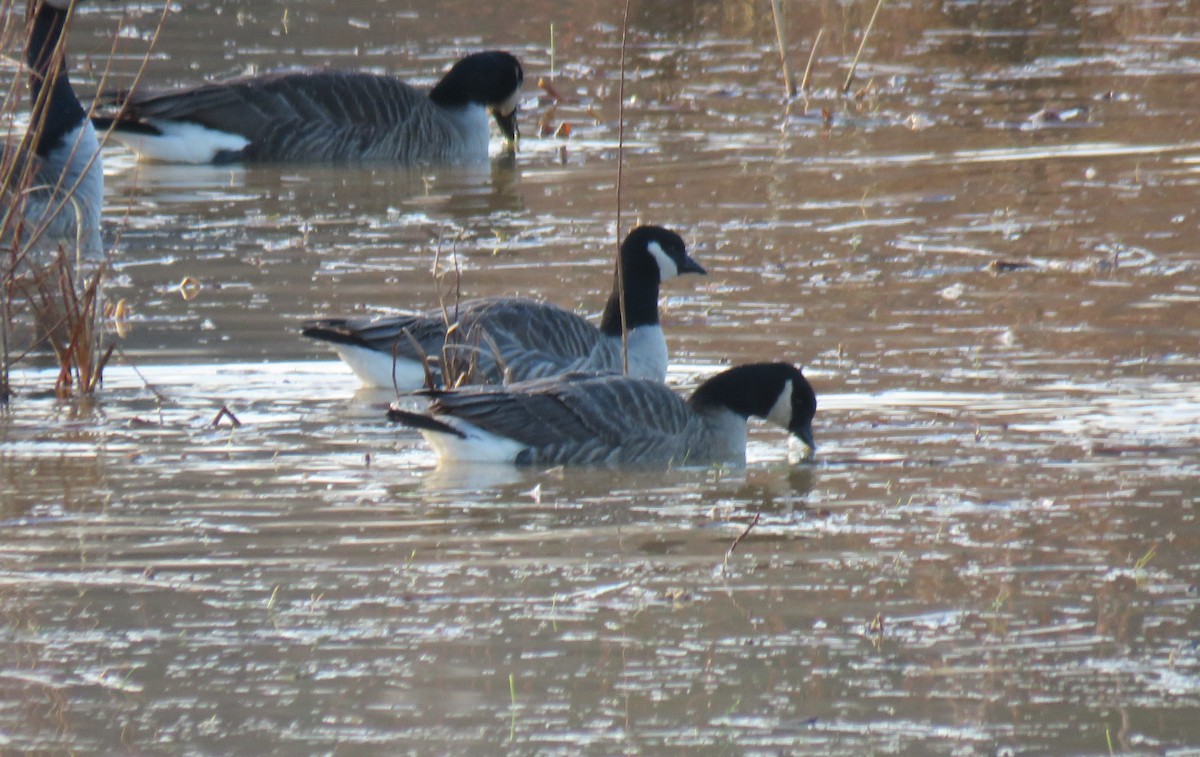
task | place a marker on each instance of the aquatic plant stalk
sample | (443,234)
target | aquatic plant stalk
(777,11)
(620,166)
(862,43)
(61,293)
(812,56)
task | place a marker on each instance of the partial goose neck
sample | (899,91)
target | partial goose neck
(641,301)
(745,390)
(56,112)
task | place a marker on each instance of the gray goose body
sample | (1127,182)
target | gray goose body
(326,117)
(54,178)
(494,340)
(614,420)
(497,340)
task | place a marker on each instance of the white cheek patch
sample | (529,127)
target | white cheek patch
(666,267)
(781,412)
(509,105)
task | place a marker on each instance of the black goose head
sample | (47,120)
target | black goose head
(653,252)
(650,255)
(777,392)
(57,111)
(492,79)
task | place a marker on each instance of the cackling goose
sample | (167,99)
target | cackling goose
(510,339)
(326,116)
(54,178)
(614,420)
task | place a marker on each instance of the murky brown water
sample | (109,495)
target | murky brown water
(997,551)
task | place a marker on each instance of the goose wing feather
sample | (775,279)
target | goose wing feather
(305,114)
(582,419)
(517,340)
(383,333)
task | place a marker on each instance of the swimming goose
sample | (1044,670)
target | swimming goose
(326,116)
(54,178)
(512,339)
(614,420)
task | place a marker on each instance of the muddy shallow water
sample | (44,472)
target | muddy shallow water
(986,262)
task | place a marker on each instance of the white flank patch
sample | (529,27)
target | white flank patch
(374,368)
(781,411)
(181,142)
(478,447)
(666,267)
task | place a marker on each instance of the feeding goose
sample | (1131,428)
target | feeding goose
(614,420)
(511,339)
(53,179)
(326,116)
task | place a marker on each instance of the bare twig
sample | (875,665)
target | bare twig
(223,413)
(861,45)
(158,395)
(753,522)
(737,541)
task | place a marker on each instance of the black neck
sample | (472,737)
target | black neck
(447,94)
(57,111)
(641,297)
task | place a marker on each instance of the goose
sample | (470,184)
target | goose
(494,340)
(614,420)
(319,116)
(53,179)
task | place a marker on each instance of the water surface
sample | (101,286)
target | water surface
(984,258)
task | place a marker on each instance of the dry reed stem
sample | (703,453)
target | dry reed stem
(452,374)
(780,38)
(620,171)
(133,86)
(812,56)
(862,44)
(57,294)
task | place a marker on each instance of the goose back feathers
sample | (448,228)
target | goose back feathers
(326,116)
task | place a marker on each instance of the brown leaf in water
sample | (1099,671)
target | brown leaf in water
(189,288)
